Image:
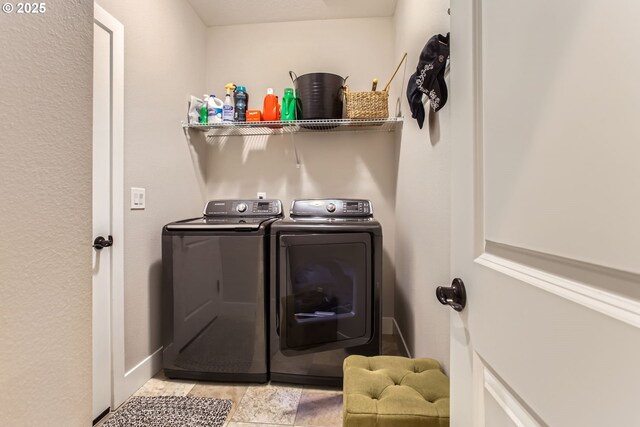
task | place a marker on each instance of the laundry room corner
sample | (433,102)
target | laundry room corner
(423,184)
(171,53)
(313,164)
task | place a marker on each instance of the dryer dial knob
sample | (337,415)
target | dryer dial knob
(241,207)
(331,207)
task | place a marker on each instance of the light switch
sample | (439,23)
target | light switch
(137,198)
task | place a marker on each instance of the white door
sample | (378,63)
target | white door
(109,379)
(545,99)
(102,137)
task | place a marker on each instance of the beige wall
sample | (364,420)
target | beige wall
(332,165)
(422,249)
(45,248)
(164,63)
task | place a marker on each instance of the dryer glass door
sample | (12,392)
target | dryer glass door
(325,291)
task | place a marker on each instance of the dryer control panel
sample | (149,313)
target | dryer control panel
(243,207)
(330,208)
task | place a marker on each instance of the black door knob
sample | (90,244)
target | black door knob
(100,242)
(454,296)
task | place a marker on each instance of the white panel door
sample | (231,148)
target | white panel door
(102,136)
(108,178)
(546,193)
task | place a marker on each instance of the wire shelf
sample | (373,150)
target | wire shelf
(218,130)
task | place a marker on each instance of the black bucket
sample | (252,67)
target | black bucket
(320,95)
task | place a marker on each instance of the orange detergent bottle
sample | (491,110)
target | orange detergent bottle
(270,108)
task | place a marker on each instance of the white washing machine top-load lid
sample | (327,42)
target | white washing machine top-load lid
(232,214)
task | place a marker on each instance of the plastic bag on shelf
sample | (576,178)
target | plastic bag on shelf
(195,104)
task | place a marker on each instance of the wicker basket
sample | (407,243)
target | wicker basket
(367,105)
(370,104)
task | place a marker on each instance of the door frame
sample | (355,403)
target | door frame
(103,19)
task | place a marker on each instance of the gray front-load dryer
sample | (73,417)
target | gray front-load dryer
(325,287)
(214,304)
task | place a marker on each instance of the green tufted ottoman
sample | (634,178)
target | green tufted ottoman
(392,391)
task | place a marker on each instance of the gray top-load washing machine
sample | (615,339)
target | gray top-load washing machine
(215,271)
(325,288)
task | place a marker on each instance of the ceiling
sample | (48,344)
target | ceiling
(234,12)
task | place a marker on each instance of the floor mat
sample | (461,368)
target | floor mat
(170,411)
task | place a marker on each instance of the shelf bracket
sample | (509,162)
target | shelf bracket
(186,134)
(295,150)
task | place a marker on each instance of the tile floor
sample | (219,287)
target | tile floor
(267,405)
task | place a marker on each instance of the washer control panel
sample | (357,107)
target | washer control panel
(243,207)
(328,208)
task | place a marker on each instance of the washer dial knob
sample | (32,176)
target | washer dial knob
(241,207)
(331,207)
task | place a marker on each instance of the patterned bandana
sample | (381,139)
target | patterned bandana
(429,77)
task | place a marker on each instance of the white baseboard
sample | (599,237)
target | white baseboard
(387,325)
(142,372)
(397,331)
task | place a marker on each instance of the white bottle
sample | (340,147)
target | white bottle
(227,109)
(214,107)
